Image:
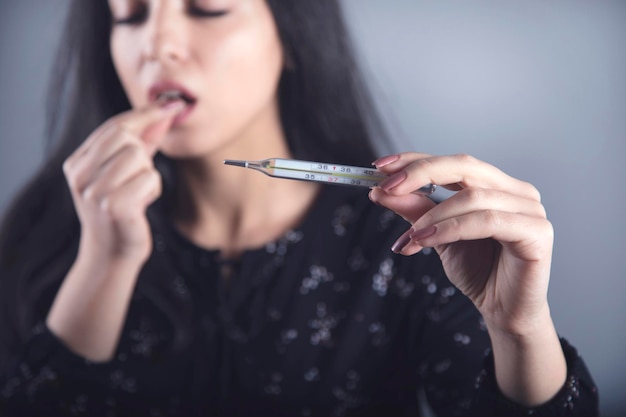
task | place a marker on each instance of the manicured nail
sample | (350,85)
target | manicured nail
(393,181)
(385,160)
(371,197)
(401,242)
(420,234)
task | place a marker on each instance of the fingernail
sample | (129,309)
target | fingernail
(401,242)
(393,181)
(371,197)
(385,160)
(420,234)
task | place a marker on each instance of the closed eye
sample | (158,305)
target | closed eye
(141,15)
(199,12)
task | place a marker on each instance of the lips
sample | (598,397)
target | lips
(167,91)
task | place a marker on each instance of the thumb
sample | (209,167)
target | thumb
(155,133)
(409,206)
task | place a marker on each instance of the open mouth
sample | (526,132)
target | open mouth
(168,96)
(165,92)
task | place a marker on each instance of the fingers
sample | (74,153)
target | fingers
(410,171)
(392,163)
(137,131)
(82,170)
(423,211)
(137,123)
(480,209)
(478,199)
(410,206)
(489,204)
(129,201)
(126,163)
(530,238)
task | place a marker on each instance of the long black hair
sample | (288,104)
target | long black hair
(326,113)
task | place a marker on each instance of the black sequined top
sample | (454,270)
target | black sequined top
(325,321)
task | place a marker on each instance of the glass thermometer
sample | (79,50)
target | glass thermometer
(320,172)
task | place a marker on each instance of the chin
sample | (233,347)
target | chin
(187,147)
(181,152)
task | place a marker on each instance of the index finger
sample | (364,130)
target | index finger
(415,170)
(134,121)
(137,121)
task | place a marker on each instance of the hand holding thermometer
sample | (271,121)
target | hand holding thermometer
(320,172)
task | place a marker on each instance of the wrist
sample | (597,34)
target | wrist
(90,307)
(520,326)
(94,250)
(529,362)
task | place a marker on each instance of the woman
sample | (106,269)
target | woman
(141,276)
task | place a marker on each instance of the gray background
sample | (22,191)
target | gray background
(537,88)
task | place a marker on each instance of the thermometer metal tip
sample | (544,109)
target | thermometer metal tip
(243,164)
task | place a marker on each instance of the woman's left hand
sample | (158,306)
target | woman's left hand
(492,235)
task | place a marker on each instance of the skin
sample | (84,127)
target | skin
(495,244)
(232,64)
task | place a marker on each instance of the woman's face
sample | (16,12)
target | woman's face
(224,56)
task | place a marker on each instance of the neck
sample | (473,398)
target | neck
(234,209)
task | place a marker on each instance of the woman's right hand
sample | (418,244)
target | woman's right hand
(113,180)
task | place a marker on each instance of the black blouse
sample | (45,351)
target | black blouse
(325,321)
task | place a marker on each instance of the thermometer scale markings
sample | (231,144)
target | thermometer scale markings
(314,171)
(320,172)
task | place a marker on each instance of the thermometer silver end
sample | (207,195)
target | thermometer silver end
(243,164)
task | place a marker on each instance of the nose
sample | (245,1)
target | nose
(166,38)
